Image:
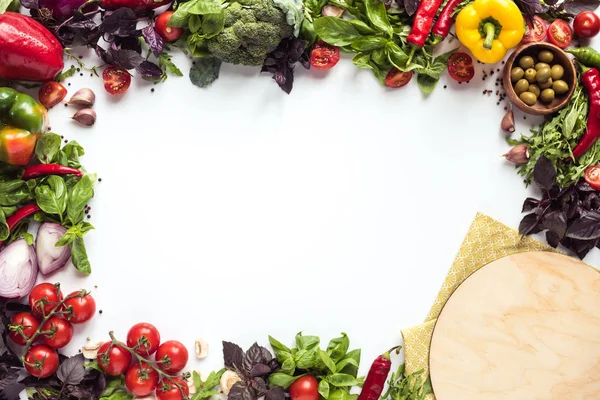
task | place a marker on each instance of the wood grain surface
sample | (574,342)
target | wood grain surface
(523,327)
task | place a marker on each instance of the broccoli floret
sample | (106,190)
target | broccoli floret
(253,28)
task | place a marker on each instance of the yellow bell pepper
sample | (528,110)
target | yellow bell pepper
(489,28)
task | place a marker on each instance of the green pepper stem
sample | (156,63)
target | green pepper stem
(490,33)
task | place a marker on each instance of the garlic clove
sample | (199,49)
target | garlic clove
(508,121)
(90,350)
(201,348)
(83,97)
(518,154)
(85,116)
(332,11)
(228,379)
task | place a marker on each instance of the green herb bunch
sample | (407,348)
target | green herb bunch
(408,387)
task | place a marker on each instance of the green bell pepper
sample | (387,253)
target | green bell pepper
(22,121)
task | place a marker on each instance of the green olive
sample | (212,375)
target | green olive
(535,89)
(560,87)
(546,84)
(530,75)
(546,56)
(528,98)
(526,62)
(547,95)
(543,74)
(557,72)
(516,73)
(541,65)
(521,86)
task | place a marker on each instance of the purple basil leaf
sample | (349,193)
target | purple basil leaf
(544,173)
(253,356)
(531,7)
(259,385)
(121,22)
(259,370)
(127,59)
(30,4)
(574,7)
(240,391)
(587,227)
(583,186)
(128,43)
(232,356)
(556,222)
(582,247)
(552,239)
(149,70)
(410,6)
(529,204)
(153,39)
(275,393)
(528,224)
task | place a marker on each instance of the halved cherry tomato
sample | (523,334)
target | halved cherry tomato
(535,30)
(81,308)
(41,361)
(560,33)
(172,389)
(324,56)
(58,332)
(28,324)
(51,93)
(116,80)
(141,380)
(586,24)
(43,298)
(460,67)
(168,33)
(114,361)
(396,78)
(592,176)
(145,336)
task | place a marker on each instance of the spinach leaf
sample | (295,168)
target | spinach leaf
(79,256)
(336,31)
(205,71)
(79,196)
(377,14)
(51,196)
(47,148)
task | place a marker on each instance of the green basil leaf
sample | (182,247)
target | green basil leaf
(341,394)
(351,368)
(4,5)
(28,237)
(197,380)
(426,83)
(342,364)
(445,57)
(93,365)
(113,385)
(13,192)
(69,236)
(396,56)
(306,359)
(212,24)
(79,256)
(4,231)
(369,43)
(72,151)
(51,196)
(377,14)
(307,32)
(362,28)
(338,347)
(307,342)
(205,71)
(289,365)
(194,23)
(213,378)
(327,361)
(336,31)
(342,380)
(48,147)
(79,196)
(379,57)
(8,211)
(282,380)
(203,7)
(363,60)
(324,388)
(277,346)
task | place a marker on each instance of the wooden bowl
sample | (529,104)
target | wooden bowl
(560,57)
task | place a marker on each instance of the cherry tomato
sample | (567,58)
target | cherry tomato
(560,33)
(81,308)
(116,80)
(172,356)
(41,361)
(28,324)
(592,176)
(172,389)
(535,30)
(43,298)
(324,56)
(61,332)
(141,380)
(146,336)
(586,24)
(305,388)
(114,362)
(51,93)
(168,33)
(396,78)
(460,67)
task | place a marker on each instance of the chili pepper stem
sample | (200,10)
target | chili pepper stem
(490,33)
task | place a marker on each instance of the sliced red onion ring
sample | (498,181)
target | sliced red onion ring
(49,256)
(18,269)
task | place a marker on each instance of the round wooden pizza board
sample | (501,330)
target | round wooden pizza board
(525,327)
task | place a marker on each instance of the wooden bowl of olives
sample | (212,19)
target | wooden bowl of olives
(539,78)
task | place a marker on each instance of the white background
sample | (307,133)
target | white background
(239,211)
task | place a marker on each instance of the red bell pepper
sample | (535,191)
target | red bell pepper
(29,51)
(136,5)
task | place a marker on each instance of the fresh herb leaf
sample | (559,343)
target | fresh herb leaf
(574,7)
(213,24)
(4,231)
(28,238)
(544,173)
(71,371)
(426,83)
(324,389)
(411,6)
(47,148)
(336,31)
(326,359)
(153,40)
(282,380)
(79,196)
(79,256)
(338,347)
(205,71)
(415,386)
(531,7)
(64,75)
(377,14)
(205,390)
(51,196)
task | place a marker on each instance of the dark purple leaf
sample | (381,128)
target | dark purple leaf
(531,7)
(556,222)
(71,371)
(582,247)
(149,70)
(30,4)
(121,22)
(259,385)
(574,7)
(583,186)
(544,173)
(529,204)
(153,39)
(232,356)
(552,239)
(528,224)
(259,370)
(127,43)
(587,227)
(240,391)
(410,6)
(127,59)
(275,393)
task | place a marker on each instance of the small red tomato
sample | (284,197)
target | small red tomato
(168,33)
(41,361)
(144,335)
(172,356)
(43,298)
(586,24)
(305,388)
(51,93)
(58,332)
(141,380)
(396,78)
(114,361)
(324,56)
(27,323)
(116,80)
(560,33)
(80,308)
(460,67)
(592,176)
(172,389)
(535,30)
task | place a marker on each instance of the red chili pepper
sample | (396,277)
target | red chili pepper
(20,215)
(445,20)
(376,377)
(591,81)
(423,21)
(35,171)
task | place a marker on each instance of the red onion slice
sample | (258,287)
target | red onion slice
(49,256)
(18,269)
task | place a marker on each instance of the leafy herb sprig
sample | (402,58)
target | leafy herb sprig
(408,387)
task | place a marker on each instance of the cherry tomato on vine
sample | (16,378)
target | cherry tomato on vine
(114,362)
(396,78)
(51,93)
(460,67)
(324,56)
(141,380)
(305,388)
(168,33)
(146,336)
(28,324)
(586,24)
(172,389)
(60,332)
(116,80)
(41,361)
(43,298)
(81,308)
(560,33)
(172,356)
(535,30)
(592,176)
